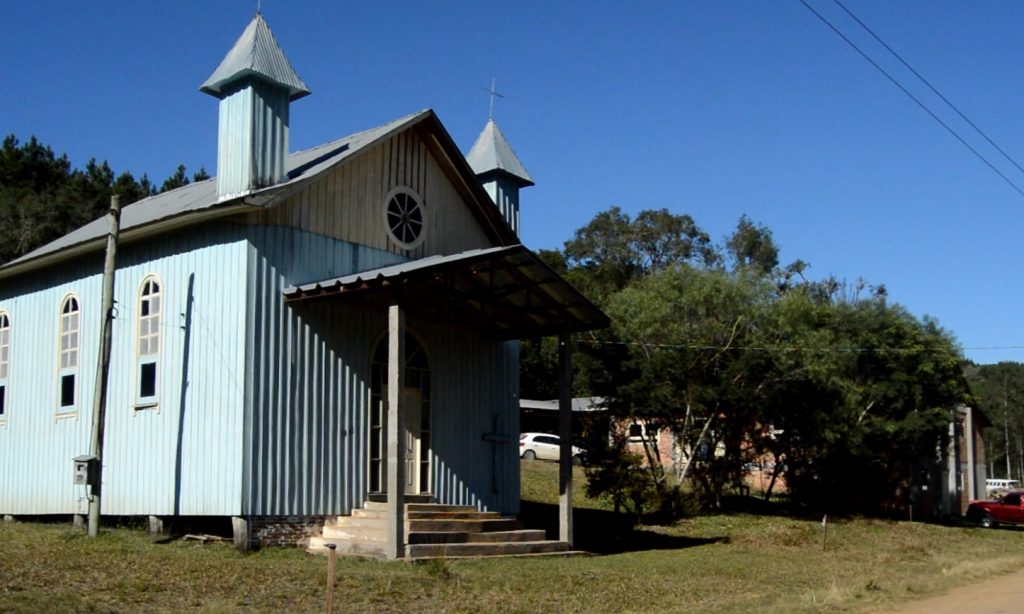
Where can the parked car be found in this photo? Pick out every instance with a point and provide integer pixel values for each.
(545, 447)
(1006, 509)
(999, 486)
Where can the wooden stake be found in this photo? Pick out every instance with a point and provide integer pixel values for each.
(824, 531)
(330, 577)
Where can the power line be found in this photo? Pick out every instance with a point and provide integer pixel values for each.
(930, 86)
(911, 96)
(792, 348)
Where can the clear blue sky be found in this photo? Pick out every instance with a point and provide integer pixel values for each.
(715, 109)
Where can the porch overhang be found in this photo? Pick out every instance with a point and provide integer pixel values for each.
(503, 292)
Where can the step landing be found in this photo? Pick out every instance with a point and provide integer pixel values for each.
(435, 531)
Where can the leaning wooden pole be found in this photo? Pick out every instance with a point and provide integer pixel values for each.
(565, 435)
(99, 405)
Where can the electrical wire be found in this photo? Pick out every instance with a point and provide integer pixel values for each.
(792, 348)
(930, 86)
(912, 97)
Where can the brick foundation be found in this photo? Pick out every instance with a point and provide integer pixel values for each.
(285, 530)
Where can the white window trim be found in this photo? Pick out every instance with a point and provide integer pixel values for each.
(401, 189)
(645, 434)
(6, 380)
(70, 411)
(147, 403)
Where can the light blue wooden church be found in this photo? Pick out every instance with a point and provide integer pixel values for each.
(261, 318)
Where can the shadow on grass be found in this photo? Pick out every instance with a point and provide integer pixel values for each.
(605, 532)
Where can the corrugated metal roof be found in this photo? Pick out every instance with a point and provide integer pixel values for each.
(187, 204)
(504, 292)
(492, 152)
(583, 404)
(256, 53)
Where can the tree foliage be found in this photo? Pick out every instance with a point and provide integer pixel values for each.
(43, 197)
(742, 359)
(999, 390)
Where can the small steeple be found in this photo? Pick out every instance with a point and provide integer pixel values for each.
(255, 83)
(500, 171)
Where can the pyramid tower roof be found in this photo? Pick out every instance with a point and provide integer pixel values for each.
(256, 53)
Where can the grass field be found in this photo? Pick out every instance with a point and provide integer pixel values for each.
(726, 563)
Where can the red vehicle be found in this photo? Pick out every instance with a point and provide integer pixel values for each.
(1007, 509)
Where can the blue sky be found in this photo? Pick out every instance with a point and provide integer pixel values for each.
(716, 109)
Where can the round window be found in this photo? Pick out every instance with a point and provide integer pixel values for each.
(404, 217)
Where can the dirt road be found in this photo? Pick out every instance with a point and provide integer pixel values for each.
(1000, 594)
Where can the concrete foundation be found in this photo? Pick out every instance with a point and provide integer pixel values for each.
(243, 533)
(156, 525)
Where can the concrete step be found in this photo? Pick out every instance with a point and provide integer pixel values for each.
(421, 551)
(462, 537)
(528, 555)
(438, 507)
(318, 545)
(457, 515)
(464, 525)
(356, 523)
(371, 513)
(338, 532)
(382, 498)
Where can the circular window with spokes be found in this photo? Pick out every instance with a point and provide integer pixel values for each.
(404, 217)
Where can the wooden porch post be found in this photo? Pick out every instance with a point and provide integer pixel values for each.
(565, 436)
(395, 548)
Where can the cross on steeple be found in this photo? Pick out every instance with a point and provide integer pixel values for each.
(493, 93)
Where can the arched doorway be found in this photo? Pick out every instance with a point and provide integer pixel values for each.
(415, 433)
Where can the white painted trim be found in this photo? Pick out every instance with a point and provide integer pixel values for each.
(5, 381)
(61, 372)
(147, 403)
(402, 189)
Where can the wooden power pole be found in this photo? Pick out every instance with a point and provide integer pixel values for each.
(99, 405)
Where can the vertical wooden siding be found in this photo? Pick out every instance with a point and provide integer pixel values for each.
(475, 380)
(305, 451)
(185, 450)
(348, 203)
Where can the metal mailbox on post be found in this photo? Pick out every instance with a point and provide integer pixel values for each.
(85, 470)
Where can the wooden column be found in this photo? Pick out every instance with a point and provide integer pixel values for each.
(395, 548)
(565, 436)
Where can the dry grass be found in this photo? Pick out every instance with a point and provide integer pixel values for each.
(727, 563)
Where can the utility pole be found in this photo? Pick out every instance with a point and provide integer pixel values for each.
(1006, 426)
(99, 405)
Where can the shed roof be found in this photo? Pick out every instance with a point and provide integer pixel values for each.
(256, 53)
(491, 152)
(579, 404)
(503, 292)
(198, 202)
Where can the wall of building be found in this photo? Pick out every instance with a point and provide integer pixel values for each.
(181, 455)
(309, 366)
(348, 204)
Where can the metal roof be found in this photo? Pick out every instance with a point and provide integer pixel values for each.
(256, 53)
(503, 292)
(491, 152)
(198, 201)
(579, 404)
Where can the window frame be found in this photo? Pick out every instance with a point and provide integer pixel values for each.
(423, 214)
(68, 411)
(141, 360)
(5, 365)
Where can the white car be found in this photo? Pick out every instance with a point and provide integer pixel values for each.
(545, 447)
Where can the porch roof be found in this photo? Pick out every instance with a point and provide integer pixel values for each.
(504, 292)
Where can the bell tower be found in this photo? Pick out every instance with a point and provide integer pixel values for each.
(255, 84)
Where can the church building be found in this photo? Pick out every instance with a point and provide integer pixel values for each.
(304, 335)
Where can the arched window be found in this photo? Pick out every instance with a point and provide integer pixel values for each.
(68, 366)
(148, 345)
(5, 361)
